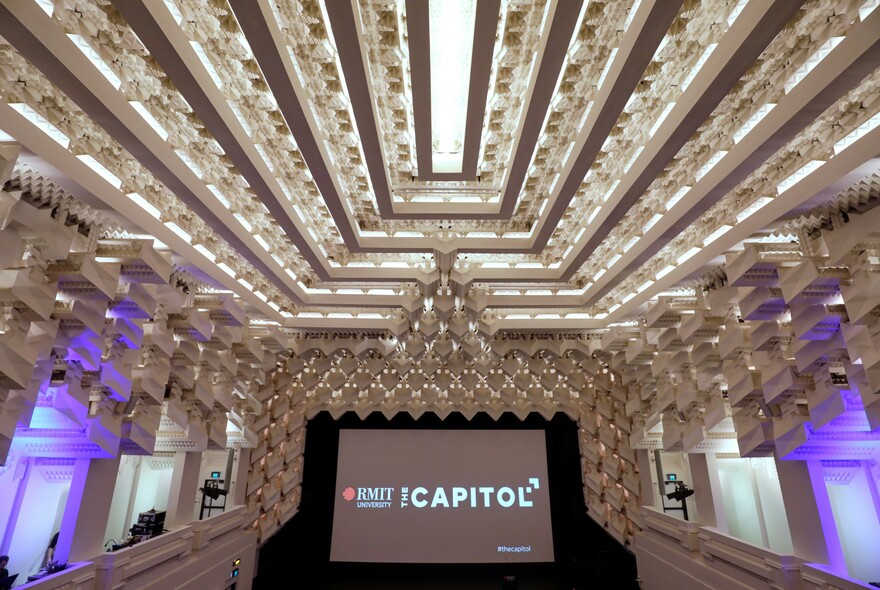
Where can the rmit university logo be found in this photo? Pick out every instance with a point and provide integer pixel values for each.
(470, 497)
(369, 497)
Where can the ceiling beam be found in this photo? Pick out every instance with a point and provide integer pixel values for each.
(743, 56)
(42, 42)
(851, 61)
(264, 39)
(76, 176)
(635, 56)
(167, 45)
(863, 150)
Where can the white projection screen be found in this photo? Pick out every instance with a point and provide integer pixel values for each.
(442, 496)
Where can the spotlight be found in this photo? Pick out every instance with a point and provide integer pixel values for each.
(213, 493)
(680, 493)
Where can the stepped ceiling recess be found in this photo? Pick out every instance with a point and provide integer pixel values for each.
(220, 217)
(439, 169)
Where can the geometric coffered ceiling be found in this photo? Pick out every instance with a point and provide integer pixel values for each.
(564, 161)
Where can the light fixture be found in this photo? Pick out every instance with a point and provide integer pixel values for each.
(100, 170)
(661, 118)
(688, 255)
(857, 134)
(701, 61)
(798, 175)
(40, 121)
(179, 231)
(451, 30)
(811, 62)
(717, 234)
(96, 59)
(149, 118)
(664, 271)
(148, 207)
(677, 197)
(205, 252)
(704, 169)
(753, 121)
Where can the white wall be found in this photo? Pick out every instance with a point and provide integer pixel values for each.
(141, 484)
(753, 503)
(678, 464)
(153, 486)
(740, 503)
(117, 522)
(855, 514)
(772, 505)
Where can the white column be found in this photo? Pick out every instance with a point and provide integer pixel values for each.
(21, 477)
(184, 488)
(813, 531)
(87, 510)
(239, 477)
(646, 482)
(132, 496)
(707, 490)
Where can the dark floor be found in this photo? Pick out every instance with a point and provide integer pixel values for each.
(529, 582)
(462, 577)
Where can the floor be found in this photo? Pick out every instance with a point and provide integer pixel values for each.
(521, 583)
(459, 577)
(462, 577)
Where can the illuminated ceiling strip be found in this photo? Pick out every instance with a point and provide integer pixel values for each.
(451, 26)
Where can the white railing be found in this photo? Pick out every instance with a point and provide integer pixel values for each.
(704, 552)
(819, 577)
(746, 561)
(163, 556)
(681, 531)
(211, 528)
(113, 570)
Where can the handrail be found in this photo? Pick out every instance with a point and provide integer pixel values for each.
(159, 555)
(214, 526)
(113, 568)
(761, 567)
(817, 576)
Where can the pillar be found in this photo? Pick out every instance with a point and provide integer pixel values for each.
(184, 488)
(21, 476)
(240, 477)
(647, 491)
(707, 491)
(813, 530)
(87, 510)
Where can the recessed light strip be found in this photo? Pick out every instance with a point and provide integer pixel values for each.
(451, 27)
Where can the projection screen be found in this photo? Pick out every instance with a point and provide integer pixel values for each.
(442, 496)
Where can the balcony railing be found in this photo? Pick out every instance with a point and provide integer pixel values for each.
(154, 558)
(703, 552)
